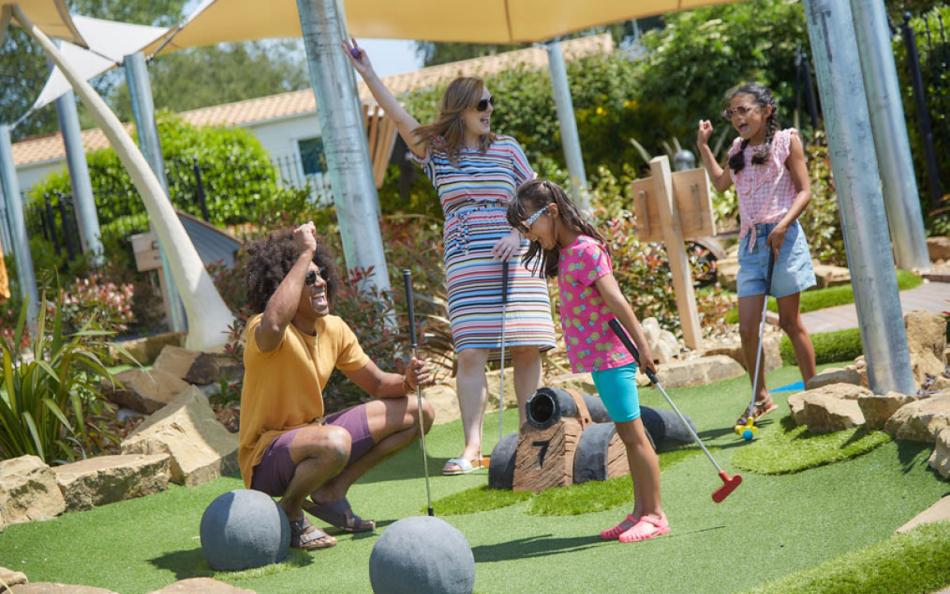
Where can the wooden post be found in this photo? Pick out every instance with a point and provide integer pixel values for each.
(675, 249)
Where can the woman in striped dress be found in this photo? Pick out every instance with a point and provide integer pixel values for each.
(476, 173)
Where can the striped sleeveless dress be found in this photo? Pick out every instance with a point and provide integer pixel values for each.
(474, 194)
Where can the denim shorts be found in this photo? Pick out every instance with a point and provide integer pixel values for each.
(793, 272)
(618, 390)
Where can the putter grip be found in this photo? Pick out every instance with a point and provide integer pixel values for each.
(625, 339)
(504, 281)
(407, 280)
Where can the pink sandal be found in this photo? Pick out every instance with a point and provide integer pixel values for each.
(625, 524)
(659, 527)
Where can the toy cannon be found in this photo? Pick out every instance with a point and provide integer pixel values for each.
(569, 438)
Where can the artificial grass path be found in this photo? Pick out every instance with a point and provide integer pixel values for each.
(771, 527)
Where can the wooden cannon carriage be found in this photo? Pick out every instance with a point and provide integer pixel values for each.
(568, 438)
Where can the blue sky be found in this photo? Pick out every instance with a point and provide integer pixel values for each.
(391, 56)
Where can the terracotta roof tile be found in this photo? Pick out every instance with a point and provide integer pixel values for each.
(50, 147)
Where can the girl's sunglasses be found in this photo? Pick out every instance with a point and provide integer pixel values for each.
(742, 110)
(484, 103)
(311, 277)
(533, 218)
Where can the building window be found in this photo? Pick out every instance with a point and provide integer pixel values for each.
(312, 158)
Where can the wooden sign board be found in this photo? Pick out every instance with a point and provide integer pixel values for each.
(693, 204)
(147, 256)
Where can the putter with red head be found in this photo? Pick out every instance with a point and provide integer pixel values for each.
(729, 483)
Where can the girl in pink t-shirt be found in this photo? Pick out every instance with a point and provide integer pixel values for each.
(768, 167)
(568, 247)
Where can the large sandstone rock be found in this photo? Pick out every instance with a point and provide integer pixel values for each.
(202, 586)
(771, 350)
(827, 275)
(146, 390)
(938, 248)
(494, 385)
(726, 271)
(651, 330)
(796, 403)
(832, 408)
(834, 375)
(699, 371)
(146, 349)
(878, 408)
(444, 402)
(940, 459)
(28, 491)
(926, 340)
(662, 353)
(921, 420)
(582, 383)
(11, 578)
(938, 512)
(53, 588)
(105, 479)
(860, 366)
(200, 447)
(176, 360)
(211, 368)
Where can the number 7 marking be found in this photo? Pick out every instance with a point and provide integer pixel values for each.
(544, 450)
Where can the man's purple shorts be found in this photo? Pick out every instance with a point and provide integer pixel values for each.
(275, 470)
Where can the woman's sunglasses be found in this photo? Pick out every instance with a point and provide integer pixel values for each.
(484, 103)
(311, 277)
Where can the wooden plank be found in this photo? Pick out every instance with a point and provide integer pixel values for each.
(644, 205)
(694, 203)
(679, 263)
(545, 458)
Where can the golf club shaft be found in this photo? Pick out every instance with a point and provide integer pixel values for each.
(627, 342)
(504, 318)
(761, 347)
(407, 279)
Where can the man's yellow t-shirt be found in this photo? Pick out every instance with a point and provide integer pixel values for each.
(283, 388)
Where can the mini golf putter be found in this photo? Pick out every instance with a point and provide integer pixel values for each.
(729, 483)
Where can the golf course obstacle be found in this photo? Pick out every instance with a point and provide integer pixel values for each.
(422, 555)
(242, 529)
(568, 438)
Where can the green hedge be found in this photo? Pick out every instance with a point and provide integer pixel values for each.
(830, 347)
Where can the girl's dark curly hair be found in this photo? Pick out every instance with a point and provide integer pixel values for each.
(271, 258)
(762, 97)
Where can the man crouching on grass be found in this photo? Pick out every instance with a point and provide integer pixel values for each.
(288, 447)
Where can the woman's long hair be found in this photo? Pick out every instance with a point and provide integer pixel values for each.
(762, 97)
(447, 133)
(533, 196)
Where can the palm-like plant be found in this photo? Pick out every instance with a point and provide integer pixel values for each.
(46, 394)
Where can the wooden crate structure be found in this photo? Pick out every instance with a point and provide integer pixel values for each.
(548, 443)
(693, 206)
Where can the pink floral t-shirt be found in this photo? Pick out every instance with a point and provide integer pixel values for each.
(591, 345)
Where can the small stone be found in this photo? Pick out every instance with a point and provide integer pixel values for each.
(940, 459)
(878, 408)
(662, 353)
(829, 276)
(651, 330)
(938, 248)
(926, 341)
(176, 360)
(11, 578)
(669, 339)
(105, 479)
(28, 491)
(921, 420)
(146, 349)
(201, 448)
(202, 586)
(834, 375)
(146, 390)
(699, 371)
(209, 368)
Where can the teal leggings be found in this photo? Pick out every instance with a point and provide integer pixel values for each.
(618, 389)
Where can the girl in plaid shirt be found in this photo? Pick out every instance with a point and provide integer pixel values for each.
(768, 167)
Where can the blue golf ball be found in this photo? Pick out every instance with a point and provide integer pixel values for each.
(747, 435)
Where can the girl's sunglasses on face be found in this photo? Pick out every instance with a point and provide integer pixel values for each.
(742, 110)
(311, 277)
(533, 218)
(484, 103)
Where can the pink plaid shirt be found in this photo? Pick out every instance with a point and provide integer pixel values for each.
(766, 191)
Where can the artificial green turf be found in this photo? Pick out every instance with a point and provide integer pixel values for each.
(816, 299)
(782, 447)
(837, 345)
(917, 562)
(771, 526)
(477, 499)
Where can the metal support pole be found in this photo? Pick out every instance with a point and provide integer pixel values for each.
(901, 198)
(923, 113)
(26, 277)
(143, 110)
(344, 140)
(83, 200)
(860, 203)
(570, 140)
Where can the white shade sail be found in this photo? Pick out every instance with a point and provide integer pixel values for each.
(52, 16)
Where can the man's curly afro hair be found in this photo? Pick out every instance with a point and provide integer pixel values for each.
(271, 258)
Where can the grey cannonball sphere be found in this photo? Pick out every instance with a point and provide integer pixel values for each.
(422, 555)
(243, 528)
